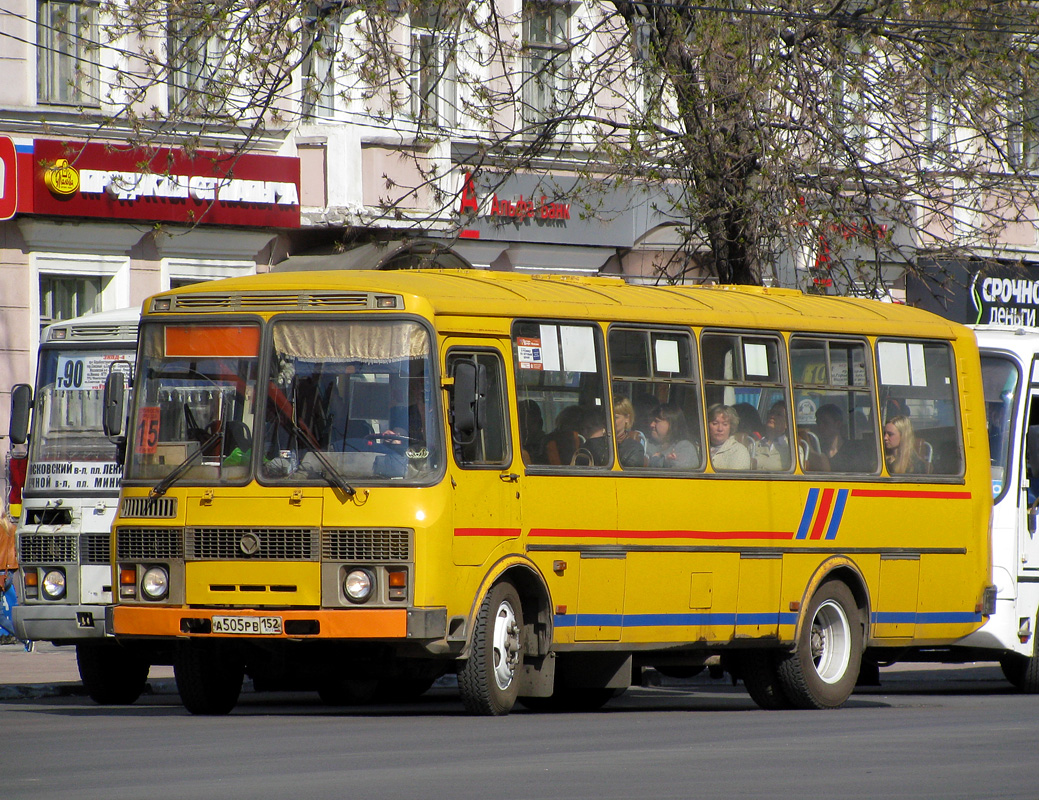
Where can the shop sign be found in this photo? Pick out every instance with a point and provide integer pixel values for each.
(1010, 298)
(8, 178)
(165, 185)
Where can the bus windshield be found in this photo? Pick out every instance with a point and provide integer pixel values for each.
(356, 396)
(68, 450)
(196, 398)
(1001, 379)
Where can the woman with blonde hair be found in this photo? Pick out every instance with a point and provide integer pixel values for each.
(631, 444)
(900, 447)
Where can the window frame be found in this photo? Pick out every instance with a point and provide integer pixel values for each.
(60, 79)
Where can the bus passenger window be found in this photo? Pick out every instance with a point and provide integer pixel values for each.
(561, 395)
(656, 402)
(489, 446)
(920, 408)
(746, 394)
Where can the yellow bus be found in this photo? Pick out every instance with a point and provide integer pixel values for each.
(545, 485)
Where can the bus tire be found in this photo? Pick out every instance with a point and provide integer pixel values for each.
(759, 670)
(1022, 671)
(112, 675)
(822, 670)
(489, 679)
(209, 677)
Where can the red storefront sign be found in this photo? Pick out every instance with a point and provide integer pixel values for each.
(8, 178)
(164, 185)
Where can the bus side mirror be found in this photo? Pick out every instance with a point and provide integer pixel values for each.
(114, 404)
(21, 405)
(468, 410)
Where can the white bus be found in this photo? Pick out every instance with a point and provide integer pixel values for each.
(1010, 371)
(68, 499)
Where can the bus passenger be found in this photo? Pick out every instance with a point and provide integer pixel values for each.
(631, 444)
(772, 453)
(595, 449)
(726, 451)
(532, 432)
(564, 440)
(900, 447)
(829, 427)
(669, 444)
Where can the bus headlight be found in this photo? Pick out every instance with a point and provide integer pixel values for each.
(358, 585)
(54, 584)
(155, 583)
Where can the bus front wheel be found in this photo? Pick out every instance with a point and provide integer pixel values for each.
(822, 670)
(209, 677)
(111, 674)
(489, 679)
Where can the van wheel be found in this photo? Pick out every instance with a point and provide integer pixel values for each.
(111, 674)
(760, 673)
(489, 679)
(209, 677)
(823, 669)
(1022, 671)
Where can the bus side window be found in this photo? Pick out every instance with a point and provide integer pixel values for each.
(834, 405)
(561, 395)
(654, 375)
(489, 446)
(919, 401)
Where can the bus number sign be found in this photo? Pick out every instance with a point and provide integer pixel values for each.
(147, 435)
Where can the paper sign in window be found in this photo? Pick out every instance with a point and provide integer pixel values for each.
(917, 366)
(550, 348)
(894, 363)
(578, 349)
(666, 352)
(529, 352)
(755, 359)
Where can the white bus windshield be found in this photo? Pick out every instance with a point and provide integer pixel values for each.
(69, 451)
(1001, 379)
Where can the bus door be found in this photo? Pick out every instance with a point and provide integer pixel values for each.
(483, 475)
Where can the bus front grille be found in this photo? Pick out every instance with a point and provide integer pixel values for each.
(96, 548)
(149, 507)
(262, 544)
(148, 543)
(366, 544)
(43, 549)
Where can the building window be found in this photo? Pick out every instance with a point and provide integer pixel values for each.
(66, 44)
(319, 84)
(433, 88)
(938, 119)
(1023, 132)
(64, 298)
(198, 78)
(546, 69)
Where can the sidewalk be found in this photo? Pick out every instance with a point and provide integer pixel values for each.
(51, 671)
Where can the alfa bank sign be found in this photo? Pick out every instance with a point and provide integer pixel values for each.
(164, 185)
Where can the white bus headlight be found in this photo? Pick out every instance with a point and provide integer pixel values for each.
(54, 584)
(155, 584)
(358, 585)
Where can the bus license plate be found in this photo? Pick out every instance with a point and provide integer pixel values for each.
(257, 626)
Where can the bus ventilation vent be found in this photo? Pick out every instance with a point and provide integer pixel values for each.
(95, 548)
(146, 543)
(266, 544)
(366, 544)
(149, 507)
(103, 332)
(284, 301)
(37, 549)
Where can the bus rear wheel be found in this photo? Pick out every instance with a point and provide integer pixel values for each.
(209, 677)
(822, 670)
(759, 670)
(489, 679)
(1023, 671)
(111, 674)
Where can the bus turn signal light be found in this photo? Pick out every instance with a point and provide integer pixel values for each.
(398, 584)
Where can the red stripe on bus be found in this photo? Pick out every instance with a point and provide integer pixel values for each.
(923, 494)
(822, 514)
(509, 532)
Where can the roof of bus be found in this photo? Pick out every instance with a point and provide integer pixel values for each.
(1008, 337)
(508, 294)
(120, 323)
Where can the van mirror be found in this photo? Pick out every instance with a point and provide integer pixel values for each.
(114, 404)
(468, 400)
(21, 405)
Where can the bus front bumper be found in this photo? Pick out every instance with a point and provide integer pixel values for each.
(350, 623)
(58, 623)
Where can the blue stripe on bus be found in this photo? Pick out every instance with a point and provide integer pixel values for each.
(924, 617)
(659, 620)
(838, 512)
(809, 512)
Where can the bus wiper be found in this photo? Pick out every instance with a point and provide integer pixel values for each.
(330, 474)
(160, 488)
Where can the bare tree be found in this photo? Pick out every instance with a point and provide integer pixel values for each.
(845, 136)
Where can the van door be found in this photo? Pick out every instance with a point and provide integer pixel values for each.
(484, 483)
